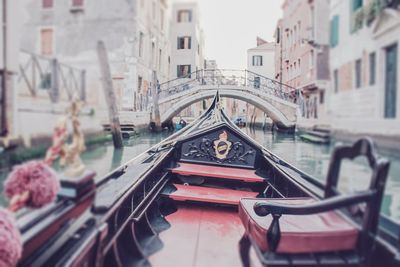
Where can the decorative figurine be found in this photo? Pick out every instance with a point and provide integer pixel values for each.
(59, 138)
(70, 153)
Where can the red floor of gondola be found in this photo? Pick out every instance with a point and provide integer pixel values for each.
(200, 236)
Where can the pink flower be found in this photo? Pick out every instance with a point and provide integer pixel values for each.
(37, 178)
(10, 240)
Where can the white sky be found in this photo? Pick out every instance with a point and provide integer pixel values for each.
(231, 27)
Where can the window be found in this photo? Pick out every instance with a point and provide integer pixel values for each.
(46, 42)
(153, 54)
(372, 68)
(184, 16)
(295, 35)
(321, 97)
(47, 3)
(299, 31)
(257, 82)
(336, 80)
(183, 71)
(184, 42)
(358, 67)
(334, 31)
(257, 60)
(291, 38)
(298, 66)
(45, 81)
(140, 81)
(311, 63)
(288, 40)
(159, 59)
(278, 35)
(312, 22)
(141, 37)
(77, 3)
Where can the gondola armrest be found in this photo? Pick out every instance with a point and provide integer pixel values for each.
(264, 208)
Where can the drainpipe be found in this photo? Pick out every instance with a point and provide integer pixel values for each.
(4, 128)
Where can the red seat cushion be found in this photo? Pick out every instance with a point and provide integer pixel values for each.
(321, 232)
(208, 194)
(246, 175)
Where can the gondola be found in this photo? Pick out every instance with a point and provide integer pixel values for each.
(209, 195)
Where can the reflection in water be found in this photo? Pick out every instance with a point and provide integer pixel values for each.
(314, 160)
(310, 158)
(117, 158)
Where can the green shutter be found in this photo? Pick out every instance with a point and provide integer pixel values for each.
(357, 4)
(332, 42)
(334, 31)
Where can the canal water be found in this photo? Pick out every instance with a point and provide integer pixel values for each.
(310, 158)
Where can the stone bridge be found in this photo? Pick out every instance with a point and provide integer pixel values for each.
(277, 100)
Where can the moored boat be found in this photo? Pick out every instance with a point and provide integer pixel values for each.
(204, 197)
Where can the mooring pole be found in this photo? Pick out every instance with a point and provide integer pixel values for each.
(109, 95)
(155, 92)
(4, 127)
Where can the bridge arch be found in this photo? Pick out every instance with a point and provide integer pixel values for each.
(274, 113)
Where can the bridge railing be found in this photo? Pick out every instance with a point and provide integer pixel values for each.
(40, 75)
(227, 77)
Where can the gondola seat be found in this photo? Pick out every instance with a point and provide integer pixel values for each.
(207, 194)
(308, 232)
(245, 175)
(300, 234)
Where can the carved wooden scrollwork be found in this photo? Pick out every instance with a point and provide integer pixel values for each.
(219, 147)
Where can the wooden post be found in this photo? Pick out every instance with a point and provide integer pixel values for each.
(55, 90)
(109, 95)
(157, 116)
(4, 127)
(83, 85)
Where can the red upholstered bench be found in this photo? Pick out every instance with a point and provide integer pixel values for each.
(313, 233)
(246, 175)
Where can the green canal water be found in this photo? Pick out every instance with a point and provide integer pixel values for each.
(310, 158)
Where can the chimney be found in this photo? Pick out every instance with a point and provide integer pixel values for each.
(260, 41)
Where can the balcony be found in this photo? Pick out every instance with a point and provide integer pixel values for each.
(369, 12)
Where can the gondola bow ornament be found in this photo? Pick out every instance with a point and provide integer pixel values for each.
(222, 146)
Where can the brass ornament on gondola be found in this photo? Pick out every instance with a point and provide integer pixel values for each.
(222, 146)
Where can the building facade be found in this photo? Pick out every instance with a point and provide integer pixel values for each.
(152, 53)
(9, 47)
(135, 33)
(302, 52)
(261, 59)
(365, 36)
(187, 40)
(187, 46)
